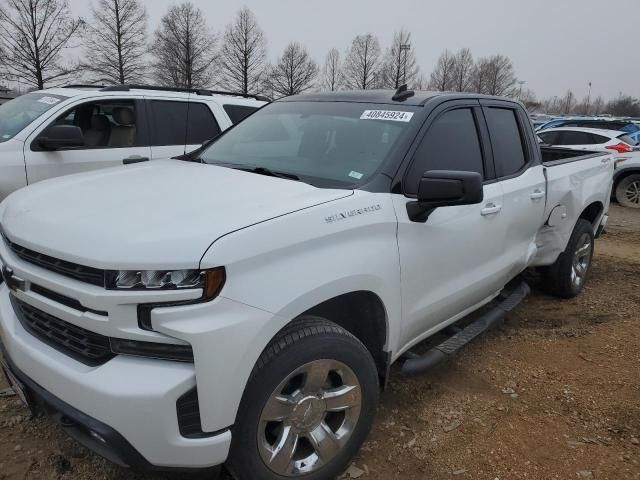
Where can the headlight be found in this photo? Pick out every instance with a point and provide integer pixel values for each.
(210, 281)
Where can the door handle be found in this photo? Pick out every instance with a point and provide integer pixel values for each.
(134, 159)
(490, 209)
(605, 160)
(537, 194)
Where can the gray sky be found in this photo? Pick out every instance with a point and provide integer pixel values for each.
(554, 44)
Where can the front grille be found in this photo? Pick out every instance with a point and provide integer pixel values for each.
(188, 410)
(82, 345)
(91, 275)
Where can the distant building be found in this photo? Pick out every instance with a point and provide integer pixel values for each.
(6, 94)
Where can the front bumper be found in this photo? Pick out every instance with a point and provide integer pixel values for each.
(129, 401)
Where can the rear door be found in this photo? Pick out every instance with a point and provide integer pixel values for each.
(452, 261)
(180, 126)
(114, 131)
(521, 176)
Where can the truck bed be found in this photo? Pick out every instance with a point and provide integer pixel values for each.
(557, 155)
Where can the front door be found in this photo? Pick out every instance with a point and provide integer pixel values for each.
(112, 136)
(453, 261)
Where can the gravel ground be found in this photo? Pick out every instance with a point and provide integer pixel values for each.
(553, 393)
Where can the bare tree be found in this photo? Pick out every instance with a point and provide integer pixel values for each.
(184, 49)
(420, 83)
(115, 42)
(443, 75)
(568, 102)
(624, 106)
(244, 53)
(480, 76)
(530, 101)
(463, 70)
(332, 71)
(400, 64)
(295, 71)
(361, 66)
(33, 34)
(500, 76)
(597, 106)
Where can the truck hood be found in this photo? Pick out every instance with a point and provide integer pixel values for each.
(162, 214)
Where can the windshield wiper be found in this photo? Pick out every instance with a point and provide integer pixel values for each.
(271, 173)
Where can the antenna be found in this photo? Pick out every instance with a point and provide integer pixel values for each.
(402, 94)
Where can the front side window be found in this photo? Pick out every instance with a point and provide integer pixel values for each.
(451, 143)
(506, 140)
(333, 144)
(17, 114)
(104, 124)
(182, 123)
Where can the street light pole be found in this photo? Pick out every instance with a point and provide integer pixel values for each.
(521, 83)
(405, 47)
(589, 99)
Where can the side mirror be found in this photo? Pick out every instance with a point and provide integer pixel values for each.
(61, 136)
(445, 188)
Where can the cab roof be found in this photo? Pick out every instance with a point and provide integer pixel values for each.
(384, 96)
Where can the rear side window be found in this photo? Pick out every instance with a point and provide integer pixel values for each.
(451, 143)
(170, 121)
(506, 140)
(570, 137)
(550, 138)
(600, 139)
(238, 112)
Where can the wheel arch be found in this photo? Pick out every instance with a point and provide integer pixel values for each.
(622, 174)
(363, 314)
(592, 213)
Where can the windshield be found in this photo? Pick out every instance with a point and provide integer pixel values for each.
(16, 114)
(329, 144)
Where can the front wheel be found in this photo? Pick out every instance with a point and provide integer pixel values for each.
(567, 276)
(628, 191)
(308, 406)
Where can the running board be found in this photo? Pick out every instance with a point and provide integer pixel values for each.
(419, 363)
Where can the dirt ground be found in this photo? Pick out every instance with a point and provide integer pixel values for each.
(553, 393)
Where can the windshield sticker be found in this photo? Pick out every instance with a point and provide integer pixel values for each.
(394, 116)
(49, 100)
(356, 175)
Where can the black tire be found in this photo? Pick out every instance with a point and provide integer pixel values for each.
(628, 191)
(559, 277)
(305, 340)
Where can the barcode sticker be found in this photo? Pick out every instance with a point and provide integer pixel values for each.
(391, 115)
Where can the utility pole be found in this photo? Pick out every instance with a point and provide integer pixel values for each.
(405, 47)
(521, 83)
(589, 99)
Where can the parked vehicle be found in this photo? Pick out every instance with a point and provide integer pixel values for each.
(592, 139)
(626, 187)
(246, 306)
(626, 181)
(627, 126)
(55, 132)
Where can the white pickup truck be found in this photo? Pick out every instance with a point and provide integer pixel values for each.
(59, 131)
(246, 306)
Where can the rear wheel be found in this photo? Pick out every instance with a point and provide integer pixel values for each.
(628, 191)
(567, 276)
(308, 406)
